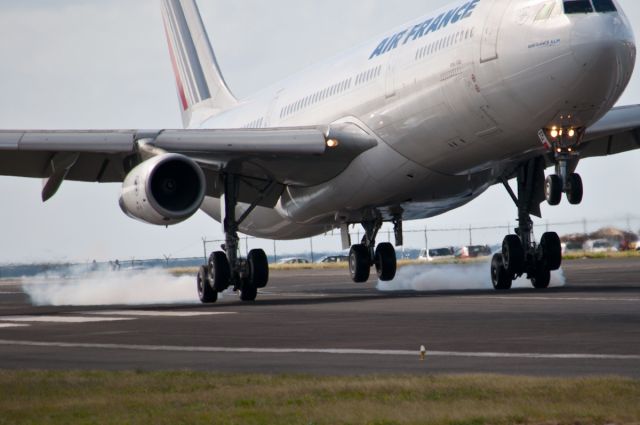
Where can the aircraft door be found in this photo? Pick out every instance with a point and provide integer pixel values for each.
(272, 115)
(491, 31)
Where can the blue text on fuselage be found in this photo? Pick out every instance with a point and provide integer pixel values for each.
(420, 30)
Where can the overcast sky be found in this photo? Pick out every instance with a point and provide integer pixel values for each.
(103, 64)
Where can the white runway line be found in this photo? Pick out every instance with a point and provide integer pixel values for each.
(635, 300)
(62, 319)
(12, 325)
(149, 313)
(332, 351)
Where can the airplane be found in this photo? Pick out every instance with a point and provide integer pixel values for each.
(410, 125)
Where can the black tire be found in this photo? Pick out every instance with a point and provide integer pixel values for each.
(258, 268)
(219, 271)
(206, 293)
(513, 255)
(551, 251)
(386, 262)
(553, 189)
(541, 278)
(359, 263)
(575, 189)
(248, 291)
(500, 277)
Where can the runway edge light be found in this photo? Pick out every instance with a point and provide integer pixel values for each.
(423, 353)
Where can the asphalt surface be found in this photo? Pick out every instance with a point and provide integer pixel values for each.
(318, 322)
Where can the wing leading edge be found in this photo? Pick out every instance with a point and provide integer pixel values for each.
(285, 156)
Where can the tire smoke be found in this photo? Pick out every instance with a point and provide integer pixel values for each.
(137, 287)
(442, 277)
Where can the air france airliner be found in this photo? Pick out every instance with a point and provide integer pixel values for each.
(409, 125)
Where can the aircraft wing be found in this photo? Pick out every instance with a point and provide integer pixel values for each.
(616, 132)
(301, 156)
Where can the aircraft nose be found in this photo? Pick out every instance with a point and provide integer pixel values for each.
(603, 44)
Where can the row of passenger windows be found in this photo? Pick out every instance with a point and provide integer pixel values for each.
(588, 6)
(317, 97)
(365, 77)
(443, 43)
(341, 87)
(259, 123)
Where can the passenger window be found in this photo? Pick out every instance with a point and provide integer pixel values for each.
(604, 6)
(577, 6)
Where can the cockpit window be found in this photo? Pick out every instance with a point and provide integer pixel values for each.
(604, 6)
(577, 6)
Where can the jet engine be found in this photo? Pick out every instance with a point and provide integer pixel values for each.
(164, 190)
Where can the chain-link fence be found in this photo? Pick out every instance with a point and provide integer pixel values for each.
(418, 238)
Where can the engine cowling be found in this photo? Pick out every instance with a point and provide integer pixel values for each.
(164, 190)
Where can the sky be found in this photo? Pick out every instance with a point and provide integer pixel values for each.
(83, 64)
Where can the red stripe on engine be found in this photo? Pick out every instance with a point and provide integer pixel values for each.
(176, 71)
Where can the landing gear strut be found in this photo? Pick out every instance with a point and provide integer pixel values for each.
(365, 255)
(520, 254)
(226, 268)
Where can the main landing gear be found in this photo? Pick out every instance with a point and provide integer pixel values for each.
(520, 254)
(226, 268)
(365, 255)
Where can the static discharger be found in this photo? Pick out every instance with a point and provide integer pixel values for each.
(423, 353)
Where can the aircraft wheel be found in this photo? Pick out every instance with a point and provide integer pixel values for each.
(219, 271)
(386, 263)
(575, 189)
(500, 277)
(248, 291)
(541, 278)
(359, 263)
(553, 189)
(513, 255)
(551, 248)
(206, 293)
(258, 268)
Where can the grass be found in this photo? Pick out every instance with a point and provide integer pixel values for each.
(29, 397)
(344, 266)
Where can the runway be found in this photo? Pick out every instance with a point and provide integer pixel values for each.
(318, 322)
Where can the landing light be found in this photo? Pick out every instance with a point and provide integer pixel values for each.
(572, 132)
(333, 143)
(554, 133)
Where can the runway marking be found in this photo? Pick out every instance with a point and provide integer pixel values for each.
(11, 293)
(148, 313)
(332, 351)
(293, 294)
(12, 325)
(561, 299)
(62, 319)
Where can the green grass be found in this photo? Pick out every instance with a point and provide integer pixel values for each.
(193, 398)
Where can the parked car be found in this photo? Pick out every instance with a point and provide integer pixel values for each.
(600, 245)
(334, 259)
(436, 254)
(473, 251)
(294, 261)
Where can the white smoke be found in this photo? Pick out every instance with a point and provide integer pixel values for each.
(137, 287)
(439, 277)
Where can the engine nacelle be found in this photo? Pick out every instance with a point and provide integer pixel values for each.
(164, 190)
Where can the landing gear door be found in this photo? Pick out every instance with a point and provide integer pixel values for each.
(491, 31)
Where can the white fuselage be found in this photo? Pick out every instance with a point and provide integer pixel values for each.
(452, 107)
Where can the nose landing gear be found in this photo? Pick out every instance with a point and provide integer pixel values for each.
(563, 142)
(520, 253)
